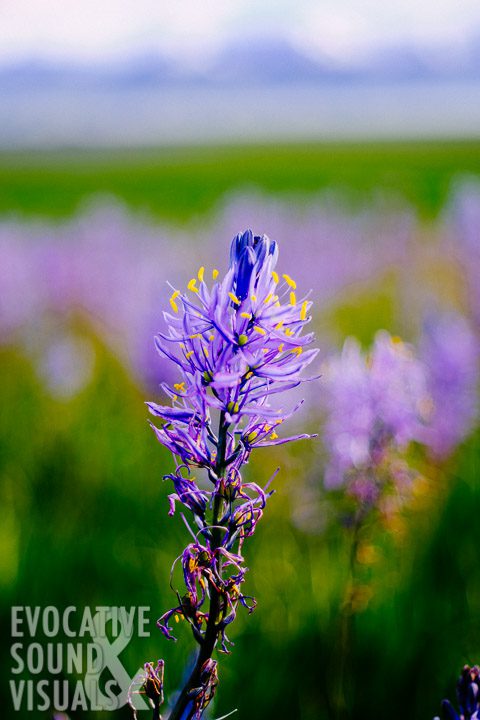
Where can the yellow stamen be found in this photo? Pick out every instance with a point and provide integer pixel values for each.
(267, 428)
(189, 354)
(253, 298)
(288, 332)
(275, 276)
(174, 398)
(279, 325)
(234, 298)
(172, 301)
(205, 352)
(192, 285)
(280, 347)
(196, 335)
(249, 375)
(297, 351)
(290, 282)
(259, 330)
(211, 338)
(303, 311)
(242, 339)
(201, 273)
(180, 387)
(214, 274)
(273, 436)
(293, 298)
(268, 298)
(247, 316)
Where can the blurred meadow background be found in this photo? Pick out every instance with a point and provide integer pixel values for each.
(136, 140)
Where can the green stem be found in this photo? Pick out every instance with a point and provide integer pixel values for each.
(179, 711)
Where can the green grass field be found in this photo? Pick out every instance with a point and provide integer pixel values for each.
(181, 182)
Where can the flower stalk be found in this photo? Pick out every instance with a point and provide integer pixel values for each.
(237, 346)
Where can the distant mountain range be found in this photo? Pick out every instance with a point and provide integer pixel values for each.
(252, 63)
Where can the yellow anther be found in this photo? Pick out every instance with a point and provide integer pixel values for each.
(247, 316)
(211, 338)
(396, 340)
(273, 436)
(279, 325)
(253, 298)
(177, 619)
(174, 398)
(242, 339)
(205, 352)
(201, 273)
(290, 282)
(293, 298)
(288, 332)
(279, 421)
(195, 335)
(275, 276)
(268, 298)
(172, 300)
(189, 354)
(252, 436)
(277, 304)
(297, 351)
(259, 330)
(249, 375)
(179, 387)
(264, 350)
(267, 428)
(280, 347)
(214, 274)
(303, 311)
(234, 298)
(192, 285)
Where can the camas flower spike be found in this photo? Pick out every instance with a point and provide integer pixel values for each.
(236, 345)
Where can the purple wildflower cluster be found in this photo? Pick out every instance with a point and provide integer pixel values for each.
(468, 696)
(451, 353)
(236, 345)
(376, 405)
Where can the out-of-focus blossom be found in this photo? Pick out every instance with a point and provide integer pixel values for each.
(461, 230)
(376, 404)
(450, 351)
(468, 696)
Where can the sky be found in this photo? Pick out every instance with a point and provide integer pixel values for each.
(193, 30)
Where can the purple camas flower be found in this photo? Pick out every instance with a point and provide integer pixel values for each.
(468, 696)
(376, 405)
(235, 345)
(450, 351)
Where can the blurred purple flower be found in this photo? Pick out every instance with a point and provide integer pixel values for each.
(376, 404)
(451, 353)
(468, 696)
